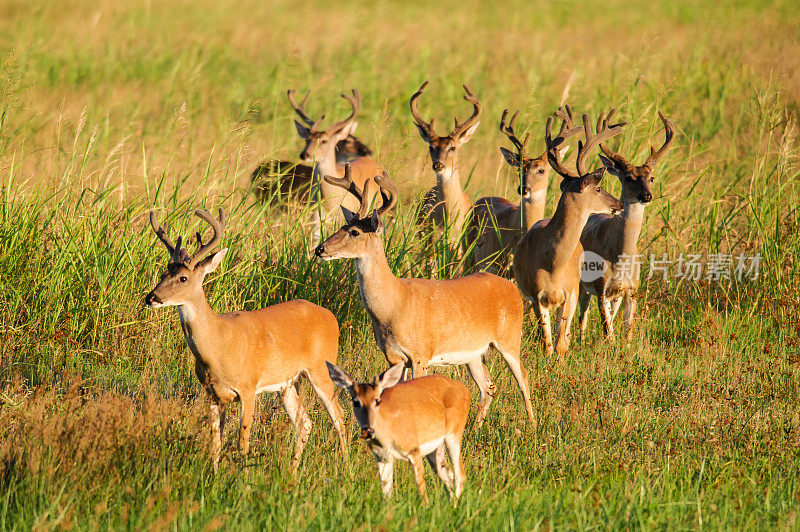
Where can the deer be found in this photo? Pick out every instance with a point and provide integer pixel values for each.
(497, 224)
(239, 355)
(614, 238)
(446, 207)
(408, 420)
(425, 322)
(288, 180)
(547, 262)
(320, 150)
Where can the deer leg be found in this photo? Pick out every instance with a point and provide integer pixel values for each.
(628, 313)
(605, 316)
(565, 313)
(326, 392)
(419, 474)
(486, 388)
(302, 423)
(386, 474)
(216, 418)
(514, 363)
(584, 302)
(439, 464)
(542, 318)
(248, 402)
(453, 444)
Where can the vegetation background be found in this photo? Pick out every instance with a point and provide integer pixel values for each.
(111, 108)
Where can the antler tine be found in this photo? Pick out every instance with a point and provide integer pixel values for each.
(427, 126)
(568, 128)
(346, 183)
(161, 233)
(218, 225)
(608, 152)
(476, 112)
(388, 192)
(604, 131)
(552, 151)
(508, 131)
(669, 133)
(355, 101)
(301, 109)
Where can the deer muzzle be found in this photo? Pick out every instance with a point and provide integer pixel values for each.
(367, 433)
(438, 166)
(151, 300)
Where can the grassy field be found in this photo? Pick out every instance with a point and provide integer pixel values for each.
(111, 108)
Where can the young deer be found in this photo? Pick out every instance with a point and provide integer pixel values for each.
(241, 354)
(446, 207)
(423, 322)
(497, 223)
(406, 421)
(614, 238)
(320, 148)
(547, 262)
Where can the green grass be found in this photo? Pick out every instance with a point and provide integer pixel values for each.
(110, 109)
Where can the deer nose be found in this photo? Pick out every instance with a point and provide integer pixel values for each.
(319, 251)
(151, 298)
(438, 166)
(645, 197)
(304, 156)
(367, 433)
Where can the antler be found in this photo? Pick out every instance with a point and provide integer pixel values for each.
(176, 252)
(604, 132)
(427, 126)
(553, 144)
(347, 183)
(218, 225)
(301, 109)
(388, 192)
(669, 132)
(508, 131)
(355, 102)
(476, 104)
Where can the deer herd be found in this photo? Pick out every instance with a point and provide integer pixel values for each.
(418, 323)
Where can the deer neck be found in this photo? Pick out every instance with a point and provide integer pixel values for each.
(326, 165)
(376, 282)
(456, 204)
(629, 227)
(532, 207)
(563, 232)
(199, 323)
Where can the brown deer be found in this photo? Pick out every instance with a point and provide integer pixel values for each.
(446, 207)
(284, 180)
(423, 322)
(320, 149)
(614, 238)
(406, 421)
(496, 223)
(241, 354)
(547, 262)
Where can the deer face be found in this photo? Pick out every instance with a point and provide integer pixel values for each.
(637, 181)
(591, 197)
(320, 144)
(355, 239)
(444, 151)
(181, 284)
(535, 172)
(366, 398)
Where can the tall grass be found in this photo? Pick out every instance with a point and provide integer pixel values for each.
(108, 110)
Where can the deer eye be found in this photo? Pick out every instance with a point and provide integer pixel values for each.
(354, 232)
(377, 401)
(599, 189)
(540, 170)
(183, 279)
(452, 148)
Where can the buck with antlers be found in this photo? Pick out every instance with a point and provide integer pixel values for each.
(614, 238)
(406, 421)
(423, 322)
(241, 354)
(497, 224)
(547, 262)
(320, 149)
(446, 207)
(285, 179)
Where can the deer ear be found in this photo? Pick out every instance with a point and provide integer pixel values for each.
(423, 133)
(375, 222)
(592, 179)
(510, 157)
(466, 135)
(210, 263)
(612, 167)
(302, 130)
(349, 215)
(353, 127)
(339, 377)
(391, 376)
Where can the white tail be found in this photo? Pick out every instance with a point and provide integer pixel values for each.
(406, 421)
(614, 238)
(422, 322)
(242, 354)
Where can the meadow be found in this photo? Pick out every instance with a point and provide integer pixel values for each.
(110, 109)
